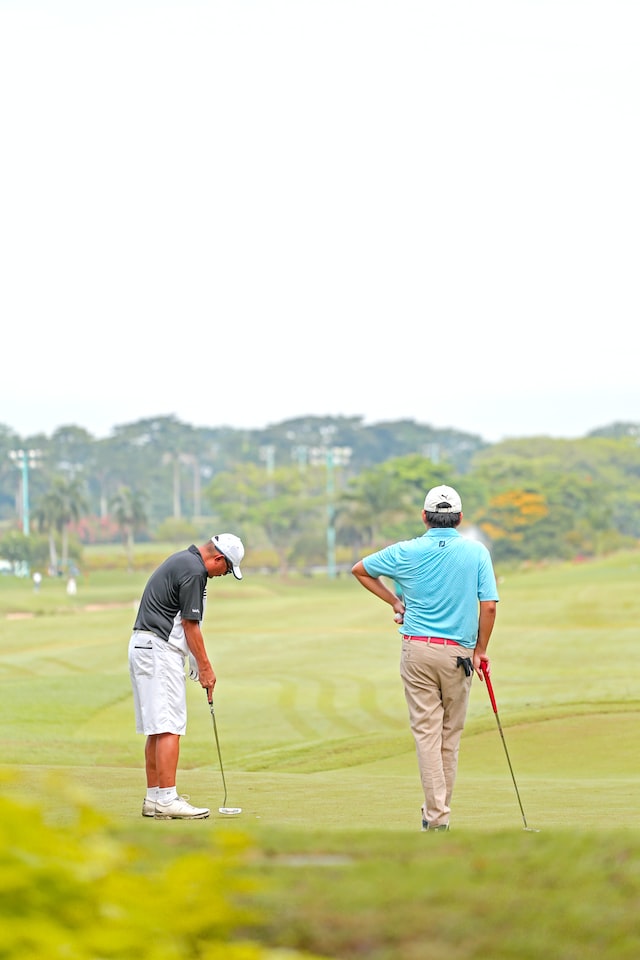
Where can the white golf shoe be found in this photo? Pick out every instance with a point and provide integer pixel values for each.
(148, 807)
(179, 809)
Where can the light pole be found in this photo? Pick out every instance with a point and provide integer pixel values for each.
(331, 516)
(23, 459)
(268, 454)
(333, 457)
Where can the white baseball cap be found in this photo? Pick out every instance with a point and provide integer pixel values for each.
(443, 500)
(232, 548)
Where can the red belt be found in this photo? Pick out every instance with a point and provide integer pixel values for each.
(443, 640)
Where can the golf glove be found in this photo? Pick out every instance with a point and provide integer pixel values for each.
(465, 663)
(194, 673)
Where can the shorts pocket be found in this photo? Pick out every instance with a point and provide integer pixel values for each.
(143, 660)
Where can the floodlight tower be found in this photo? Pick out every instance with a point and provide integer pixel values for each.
(332, 457)
(268, 454)
(336, 457)
(23, 459)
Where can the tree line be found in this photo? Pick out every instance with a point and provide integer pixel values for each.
(315, 491)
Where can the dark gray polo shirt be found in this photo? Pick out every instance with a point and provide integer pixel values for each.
(179, 585)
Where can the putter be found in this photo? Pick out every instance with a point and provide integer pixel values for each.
(483, 667)
(227, 811)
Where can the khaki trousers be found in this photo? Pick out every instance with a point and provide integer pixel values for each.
(437, 695)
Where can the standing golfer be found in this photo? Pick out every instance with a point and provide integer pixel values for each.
(167, 629)
(447, 611)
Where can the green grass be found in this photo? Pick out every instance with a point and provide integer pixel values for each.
(317, 752)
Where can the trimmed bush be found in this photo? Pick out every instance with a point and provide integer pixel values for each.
(77, 892)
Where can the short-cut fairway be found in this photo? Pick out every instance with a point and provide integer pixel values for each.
(317, 751)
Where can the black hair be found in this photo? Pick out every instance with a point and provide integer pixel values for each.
(443, 520)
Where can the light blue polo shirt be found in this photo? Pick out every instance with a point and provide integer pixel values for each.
(442, 576)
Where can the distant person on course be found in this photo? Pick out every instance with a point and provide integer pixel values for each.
(166, 631)
(447, 611)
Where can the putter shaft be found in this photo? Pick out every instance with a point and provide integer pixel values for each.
(215, 730)
(487, 678)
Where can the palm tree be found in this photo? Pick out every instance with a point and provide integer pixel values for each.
(130, 514)
(63, 503)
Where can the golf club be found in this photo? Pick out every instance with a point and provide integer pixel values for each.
(485, 671)
(227, 811)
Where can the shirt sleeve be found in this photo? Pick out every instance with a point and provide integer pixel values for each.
(191, 604)
(380, 564)
(487, 588)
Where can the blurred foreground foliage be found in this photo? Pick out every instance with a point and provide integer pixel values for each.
(77, 892)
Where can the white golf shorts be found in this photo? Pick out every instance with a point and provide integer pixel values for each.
(159, 685)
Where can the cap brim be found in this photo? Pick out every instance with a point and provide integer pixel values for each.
(236, 572)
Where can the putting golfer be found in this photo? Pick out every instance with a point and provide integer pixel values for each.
(447, 611)
(166, 632)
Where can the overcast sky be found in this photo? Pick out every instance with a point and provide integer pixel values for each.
(244, 212)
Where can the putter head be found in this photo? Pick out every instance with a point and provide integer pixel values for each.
(230, 811)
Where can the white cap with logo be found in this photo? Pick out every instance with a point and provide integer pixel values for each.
(232, 548)
(443, 500)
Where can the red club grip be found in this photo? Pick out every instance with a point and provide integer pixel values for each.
(485, 669)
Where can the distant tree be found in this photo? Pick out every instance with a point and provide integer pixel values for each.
(129, 512)
(370, 444)
(63, 504)
(585, 491)
(70, 450)
(384, 503)
(275, 507)
(155, 444)
(614, 431)
(16, 547)
(371, 503)
(589, 486)
(118, 461)
(510, 517)
(390, 440)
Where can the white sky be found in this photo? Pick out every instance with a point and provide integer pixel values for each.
(242, 212)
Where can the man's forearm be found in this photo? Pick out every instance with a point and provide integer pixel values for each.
(195, 642)
(486, 621)
(375, 586)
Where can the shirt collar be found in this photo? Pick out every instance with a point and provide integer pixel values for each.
(440, 532)
(196, 552)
